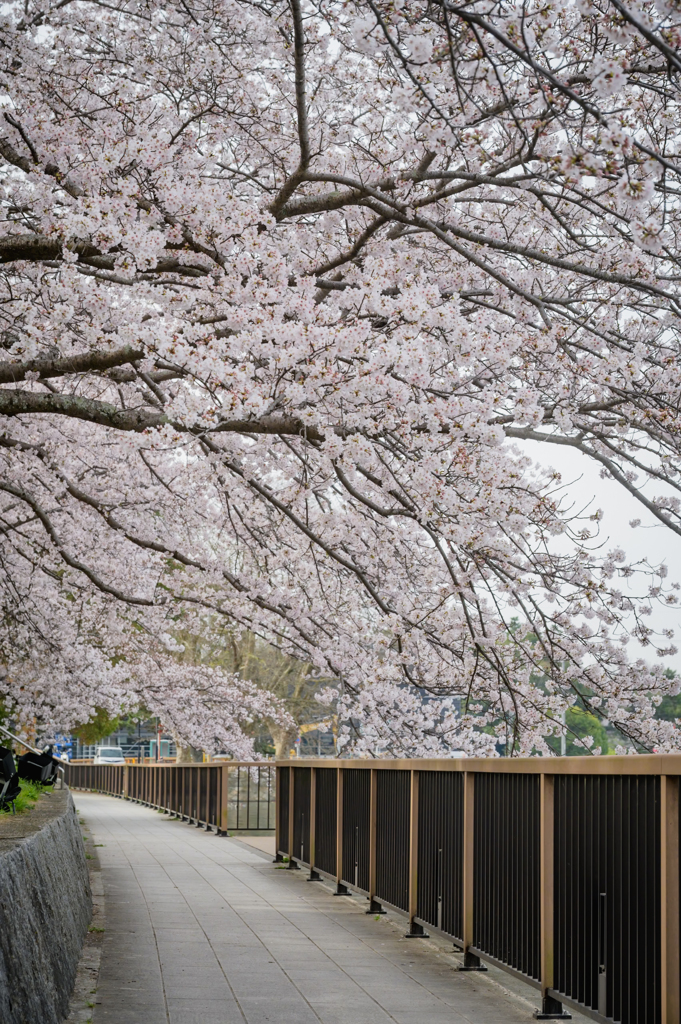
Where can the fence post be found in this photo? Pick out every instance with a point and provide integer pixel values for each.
(277, 813)
(416, 931)
(126, 783)
(341, 890)
(374, 906)
(471, 962)
(669, 895)
(223, 828)
(551, 1008)
(314, 875)
(291, 807)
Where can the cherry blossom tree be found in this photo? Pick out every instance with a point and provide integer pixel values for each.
(287, 288)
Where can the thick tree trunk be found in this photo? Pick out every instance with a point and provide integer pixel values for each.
(188, 755)
(283, 740)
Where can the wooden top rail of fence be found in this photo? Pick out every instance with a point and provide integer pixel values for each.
(605, 764)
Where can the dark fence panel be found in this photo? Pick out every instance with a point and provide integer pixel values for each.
(193, 792)
(356, 811)
(506, 879)
(440, 851)
(607, 894)
(252, 798)
(326, 789)
(302, 781)
(393, 801)
(283, 781)
(102, 778)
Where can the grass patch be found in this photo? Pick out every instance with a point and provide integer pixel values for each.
(29, 796)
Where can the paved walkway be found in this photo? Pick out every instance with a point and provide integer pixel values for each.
(206, 930)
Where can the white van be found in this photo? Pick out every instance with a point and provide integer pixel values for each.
(109, 755)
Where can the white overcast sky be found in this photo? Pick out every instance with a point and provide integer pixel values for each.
(651, 540)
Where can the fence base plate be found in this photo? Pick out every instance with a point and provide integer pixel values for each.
(375, 908)
(551, 1009)
(416, 931)
(471, 962)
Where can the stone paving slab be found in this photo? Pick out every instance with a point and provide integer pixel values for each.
(207, 930)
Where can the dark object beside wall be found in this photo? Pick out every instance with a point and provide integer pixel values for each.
(45, 910)
(9, 779)
(37, 768)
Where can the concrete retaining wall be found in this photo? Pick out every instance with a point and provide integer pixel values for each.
(45, 910)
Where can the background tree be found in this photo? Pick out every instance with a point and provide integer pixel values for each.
(288, 679)
(98, 727)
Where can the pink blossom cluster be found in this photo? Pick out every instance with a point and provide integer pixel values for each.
(286, 289)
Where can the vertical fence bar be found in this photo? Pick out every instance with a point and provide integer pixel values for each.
(415, 930)
(224, 801)
(341, 890)
(291, 811)
(374, 906)
(669, 894)
(277, 815)
(471, 962)
(546, 883)
(313, 876)
(551, 1008)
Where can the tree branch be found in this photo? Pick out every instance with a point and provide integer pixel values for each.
(74, 563)
(39, 248)
(83, 362)
(17, 403)
(294, 180)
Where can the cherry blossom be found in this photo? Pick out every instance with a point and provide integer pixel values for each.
(286, 288)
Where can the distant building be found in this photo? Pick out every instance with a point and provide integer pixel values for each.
(134, 740)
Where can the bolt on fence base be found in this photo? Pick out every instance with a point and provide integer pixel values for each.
(551, 1009)
(416, 931)
(374, 907)
(341, 890)
(471, 962)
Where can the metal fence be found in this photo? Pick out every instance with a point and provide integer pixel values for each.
(224, 797)
(562, 871)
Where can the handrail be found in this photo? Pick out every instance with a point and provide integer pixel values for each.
(35, 750)
(590, 764)
(23, 743)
